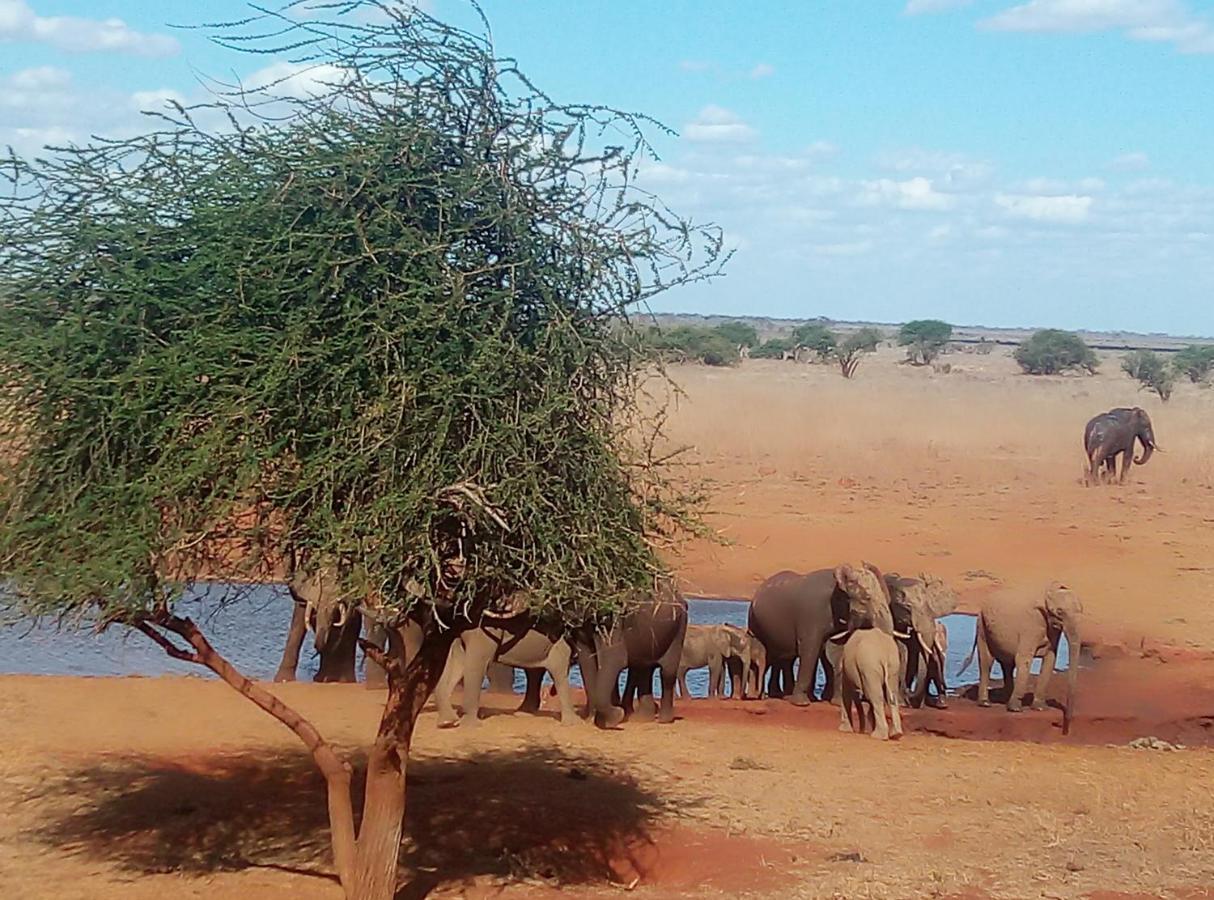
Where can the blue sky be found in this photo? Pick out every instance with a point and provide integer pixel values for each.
(1041, 162)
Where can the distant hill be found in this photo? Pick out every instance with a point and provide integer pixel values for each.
(769, 327)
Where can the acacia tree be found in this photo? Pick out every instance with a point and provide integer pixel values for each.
(924, 340)
(854, 347)
(371, 324)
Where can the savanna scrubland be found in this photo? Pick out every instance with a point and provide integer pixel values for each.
(141, 788)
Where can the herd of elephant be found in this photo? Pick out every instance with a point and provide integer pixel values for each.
(877, 638)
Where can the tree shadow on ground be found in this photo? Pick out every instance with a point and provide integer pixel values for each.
(538, 813)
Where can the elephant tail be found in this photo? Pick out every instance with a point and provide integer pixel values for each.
(969, 660)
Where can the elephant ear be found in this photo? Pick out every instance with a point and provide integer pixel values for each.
(941, 600)
(868, 596)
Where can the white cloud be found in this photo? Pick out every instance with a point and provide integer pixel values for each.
(953, 172)
(157, 100)
(1067, 209)
(914, 193)
(1161, 21)
(1130, 162)
(19, 22)
(297, 80)
(822, 150)
(763, 70)
(695, 65)
(717, 125)
(921, 7)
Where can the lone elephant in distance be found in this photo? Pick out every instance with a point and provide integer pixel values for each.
(1113, 434)
(1015, 629)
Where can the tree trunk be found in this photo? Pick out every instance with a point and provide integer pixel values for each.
(366, 859)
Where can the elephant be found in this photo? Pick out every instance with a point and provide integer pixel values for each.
(705, 645)
(647, 637)
(335, 623)
(869, 670)
(917, 604)
(1016, 629)
(934, 676)
(747, 660)
(514, 641)
(792, 614)
(870, 663)
(1112, 434)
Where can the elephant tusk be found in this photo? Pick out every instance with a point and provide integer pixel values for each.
(841, 636)
(901, 636)
(343, 614)
(309, 612)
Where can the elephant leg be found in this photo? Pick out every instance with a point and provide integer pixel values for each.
(601, 671)
(453, 672)
(1019, 681)
(290, 652)
(900, 697)
(1126, 458)
(874, 688)
(557, 665)
(535, 683)
(477, 657)
(893, 687)
(716, 677)
(808, 650)
(681, 678)
(1042, 686)
(501, 678)
(847, 699)
(337, 660)
(666, 709)
(935, 674)
(773, 674)
(645, 705)
(985, 661)
(376, 677)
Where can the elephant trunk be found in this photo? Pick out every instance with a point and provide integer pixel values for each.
(1072, 675)
(1148, 447)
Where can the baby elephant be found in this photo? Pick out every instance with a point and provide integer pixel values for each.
(705, 645)
(870, 668)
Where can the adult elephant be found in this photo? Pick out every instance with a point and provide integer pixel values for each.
(916, 605)
(1112, 434)
(513, 640)
(648, 637)
(1015, 629)
(335, 623)
(792, 614)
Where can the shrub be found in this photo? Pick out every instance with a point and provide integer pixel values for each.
(1194, 362)
(817, 338)
(853, 348)
(738, 333)
(1150, 371)
(690, 343)
(924, 340)
(1050, 351)
(775, 348)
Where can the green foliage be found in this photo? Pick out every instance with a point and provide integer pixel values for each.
(773, 348)
(1050, 351)
(1150, 371)
(924, 340)
(381, 331)
(816, 337)
(738, 333)
(853, 348)
(1195, 362)
(688, 343)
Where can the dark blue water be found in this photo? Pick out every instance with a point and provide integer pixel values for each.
(251, 627)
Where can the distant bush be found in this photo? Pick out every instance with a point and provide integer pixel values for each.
(817, 338)
(775, 348)
(924, 340)
(1194, 362)
(738, 333)
(1050, 351)
(853, 348)
(688, 343)
(1150, 371)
